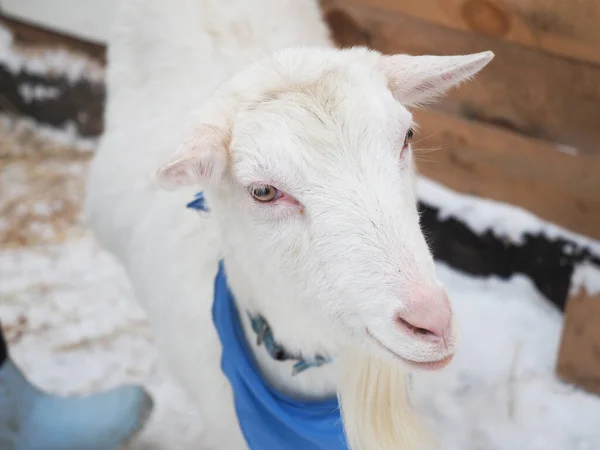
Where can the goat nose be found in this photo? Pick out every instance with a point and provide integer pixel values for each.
(428, 316)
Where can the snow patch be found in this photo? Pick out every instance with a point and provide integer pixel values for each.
(31, 92)
(67, 135)
(46, 62)
(586, 276)
(567, 149)
(74, 328)
(501, 391)
(506, 221)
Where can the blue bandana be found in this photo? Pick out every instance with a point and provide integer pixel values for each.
(269, 419)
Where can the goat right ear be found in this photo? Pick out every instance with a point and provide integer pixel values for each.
(417, 80)
(201, 159)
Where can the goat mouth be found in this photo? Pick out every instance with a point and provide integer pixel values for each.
(423, 365)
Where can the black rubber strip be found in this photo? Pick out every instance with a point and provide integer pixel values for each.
(549, 263)
(3, 347)
(80, 102)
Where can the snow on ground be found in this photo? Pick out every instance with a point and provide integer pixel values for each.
(501, 393)
(74, 327)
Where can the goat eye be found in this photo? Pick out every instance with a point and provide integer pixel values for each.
(408, 137)
(265, 193)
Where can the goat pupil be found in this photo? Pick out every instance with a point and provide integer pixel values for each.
(264, 193)
(408, 137)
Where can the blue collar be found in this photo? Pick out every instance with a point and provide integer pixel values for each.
(268, 419)
(264, 334)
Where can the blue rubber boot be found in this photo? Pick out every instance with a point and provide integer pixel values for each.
(33, 420)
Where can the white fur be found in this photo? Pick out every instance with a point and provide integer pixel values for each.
(323, 125)
(374, 399)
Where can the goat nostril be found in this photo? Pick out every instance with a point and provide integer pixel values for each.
(423, 332)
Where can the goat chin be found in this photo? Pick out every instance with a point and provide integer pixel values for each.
(374, 404)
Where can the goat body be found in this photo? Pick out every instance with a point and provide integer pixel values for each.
(256, 99)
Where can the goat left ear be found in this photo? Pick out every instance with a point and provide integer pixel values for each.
(200, 159)
(417, 80)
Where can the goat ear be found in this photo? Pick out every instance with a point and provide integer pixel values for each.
(200, 159)
(417, 80)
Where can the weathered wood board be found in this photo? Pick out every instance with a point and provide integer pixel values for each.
(487, 161)
(29, 34)
(565, 28)
(579, 355)
(534, 93)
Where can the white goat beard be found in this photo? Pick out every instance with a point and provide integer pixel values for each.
(374, 404)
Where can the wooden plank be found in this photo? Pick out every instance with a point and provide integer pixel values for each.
(78, 102)
(488, 161)
(566, 28)
(40, 37)
(534, 93)
(579, 354)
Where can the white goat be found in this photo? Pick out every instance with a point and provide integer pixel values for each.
(305, 161)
